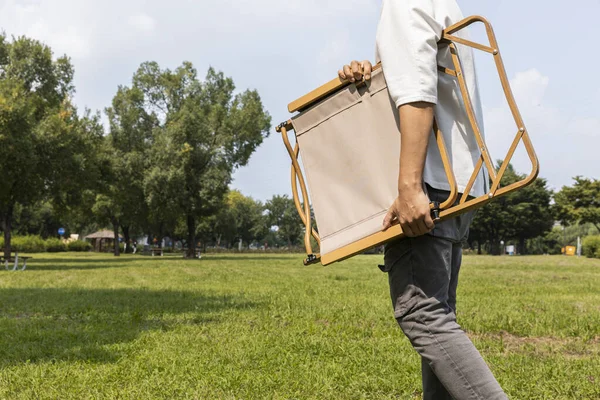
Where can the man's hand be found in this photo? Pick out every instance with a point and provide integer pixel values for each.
(411, 210)
(356, 70)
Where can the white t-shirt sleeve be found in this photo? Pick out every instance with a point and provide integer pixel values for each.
(407, 39)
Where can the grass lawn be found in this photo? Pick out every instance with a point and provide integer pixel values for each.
(83, 326)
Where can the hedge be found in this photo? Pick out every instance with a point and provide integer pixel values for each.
(26, 244)
(79, 245)
(35, 244)
(591, 246)
(54, 245)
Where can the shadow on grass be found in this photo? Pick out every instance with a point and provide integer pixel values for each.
(38, 325)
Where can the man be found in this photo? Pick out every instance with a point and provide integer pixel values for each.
(423, 268)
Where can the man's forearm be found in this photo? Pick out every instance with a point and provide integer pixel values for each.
(416, 121)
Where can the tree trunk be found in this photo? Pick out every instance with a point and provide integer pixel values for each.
(160, 235)
(116, 241)
(522, 246)
(191, 225)
(495, 246)
(479, 247)
(126, 238)
(7, 228)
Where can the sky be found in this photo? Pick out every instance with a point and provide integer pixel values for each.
(284, 49)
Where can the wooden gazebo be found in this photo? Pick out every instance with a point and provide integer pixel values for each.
(102, 241)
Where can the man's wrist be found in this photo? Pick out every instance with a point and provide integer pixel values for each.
(410, 185)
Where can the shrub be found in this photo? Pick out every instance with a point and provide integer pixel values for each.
(54, 245)
(591, 246)
(26, 244)
(79, 245)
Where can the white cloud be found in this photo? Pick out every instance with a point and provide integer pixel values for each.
(566, 145)
(142, 22)
(529, 87)
(81, 29)
(33, 20)
(68, 40)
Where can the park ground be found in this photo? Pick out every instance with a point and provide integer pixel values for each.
(89, 326)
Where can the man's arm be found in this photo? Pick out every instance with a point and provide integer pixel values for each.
(407, 39)
(411, 207)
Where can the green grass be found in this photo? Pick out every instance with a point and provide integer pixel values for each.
(82, 326)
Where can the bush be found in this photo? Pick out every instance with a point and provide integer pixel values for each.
(591, 246)
(54, 245)
(79, 245)
(26, 244)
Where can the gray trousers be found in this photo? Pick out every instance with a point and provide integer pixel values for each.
(423, 275)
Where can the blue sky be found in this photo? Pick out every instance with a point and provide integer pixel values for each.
(286, 48)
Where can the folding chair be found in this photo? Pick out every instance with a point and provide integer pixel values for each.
(352, 172)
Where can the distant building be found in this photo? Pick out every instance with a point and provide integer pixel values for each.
(72, 238)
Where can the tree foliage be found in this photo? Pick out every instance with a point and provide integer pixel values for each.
(120, 198)
(579, 203)
(519, 216)
(205, 132)
(282, 213)
(45, 147)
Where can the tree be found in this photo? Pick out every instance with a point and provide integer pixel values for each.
(492, 223)
(242, 218)
(205, 133)
(43, 143)
(36, 219)
(282, 213)
(521, 215)
(579, 203)
(532, 213)
(121, 200)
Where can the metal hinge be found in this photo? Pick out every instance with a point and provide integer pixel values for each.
(435, 211)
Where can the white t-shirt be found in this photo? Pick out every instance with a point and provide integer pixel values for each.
(407, 38)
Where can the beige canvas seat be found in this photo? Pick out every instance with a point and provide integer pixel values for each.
(351, 173)
(352, 187)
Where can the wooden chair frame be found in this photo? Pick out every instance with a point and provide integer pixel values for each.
(450, 207)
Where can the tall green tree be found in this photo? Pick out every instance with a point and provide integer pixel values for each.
(241, 218)
(39, 219)
(519, 216)
(42, 140)
(121, 200)
(206, 131)
(579, 203)
(282, 213)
